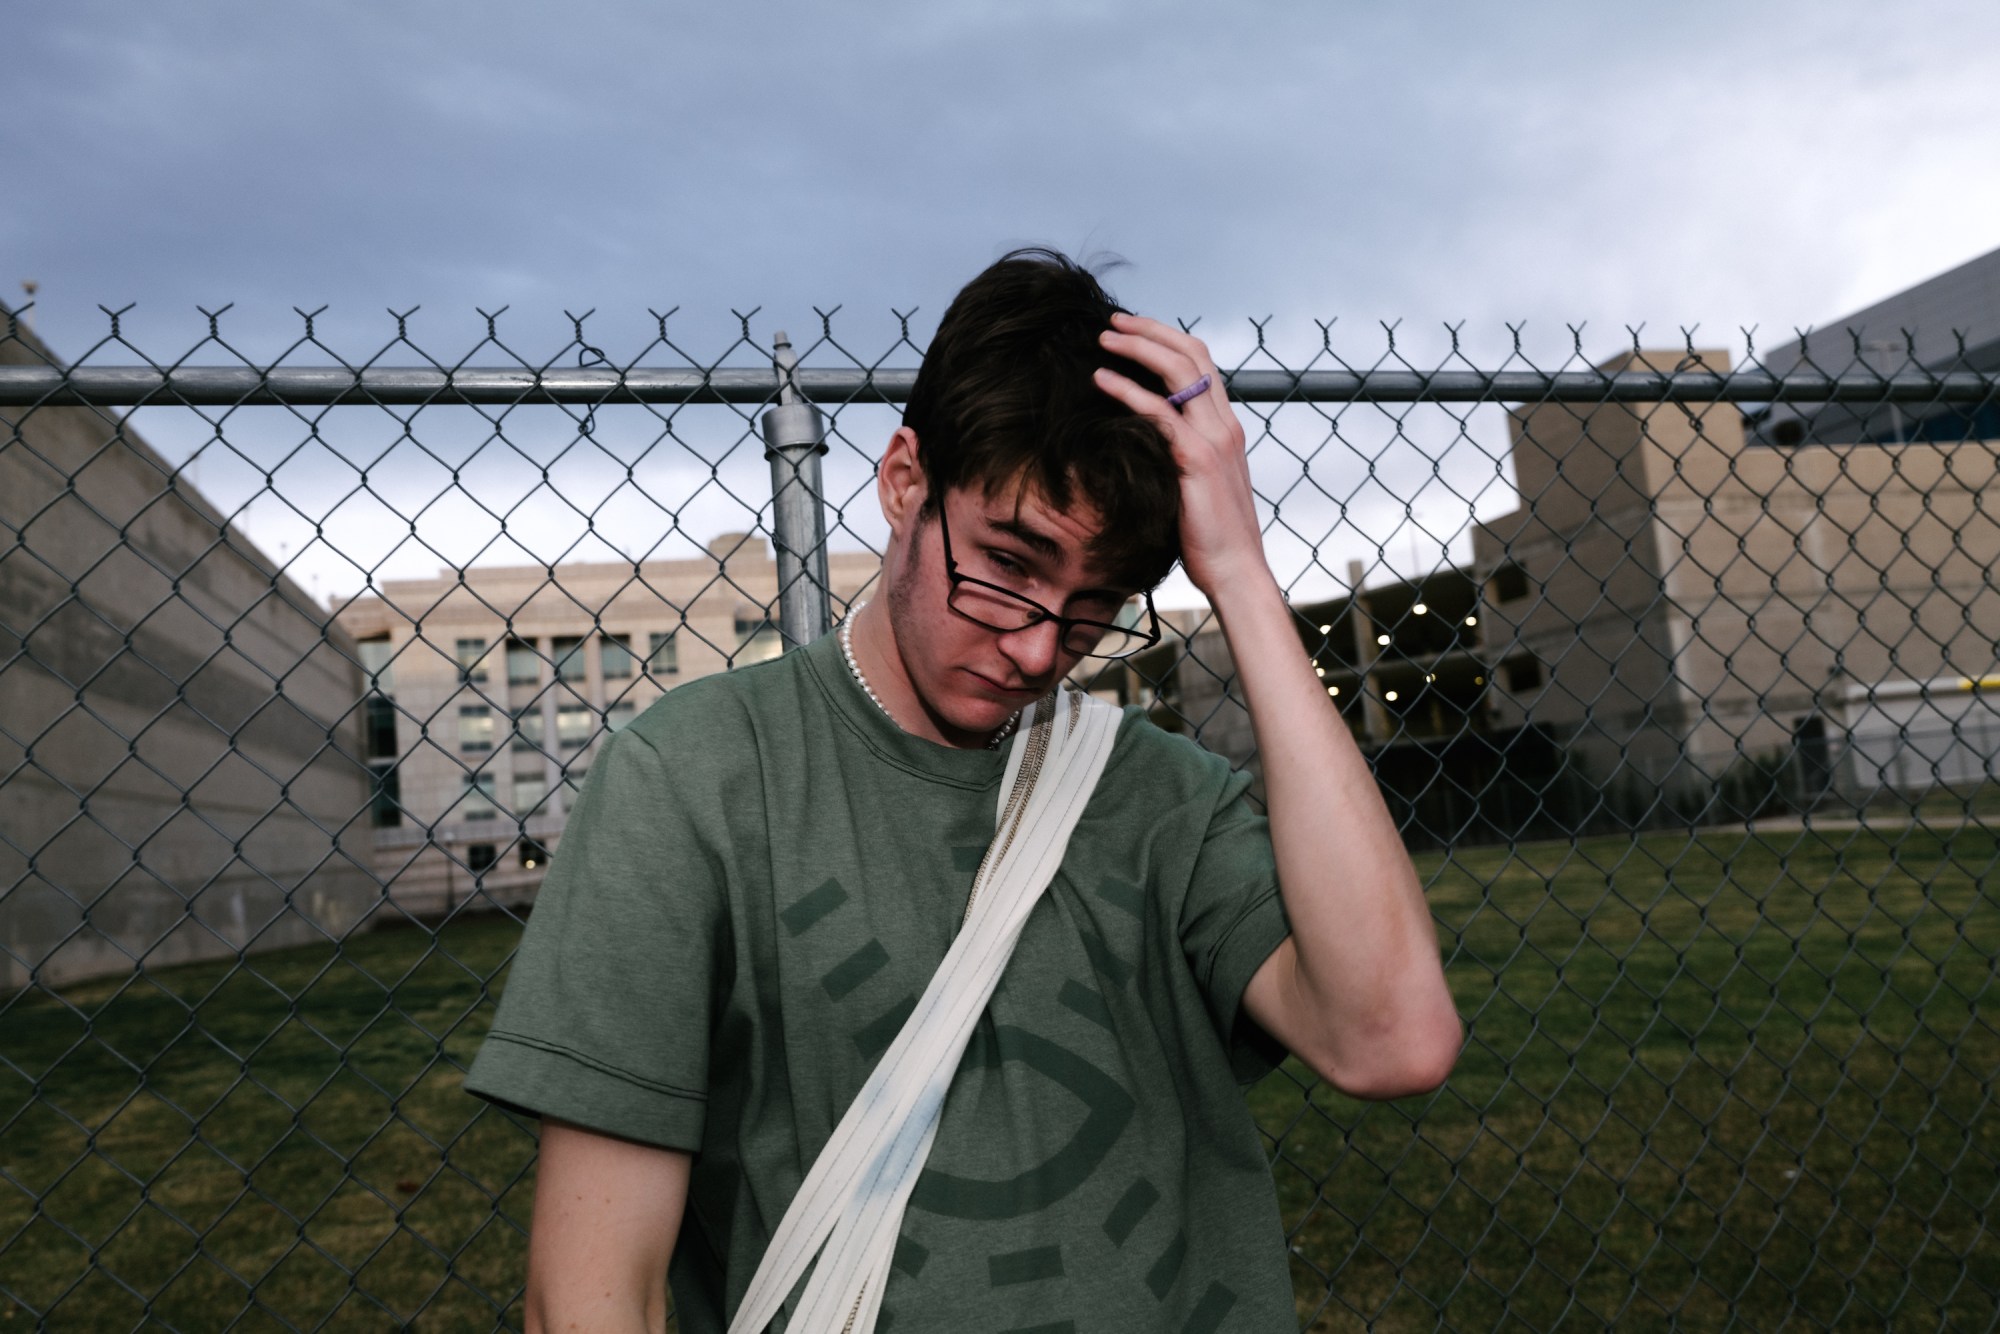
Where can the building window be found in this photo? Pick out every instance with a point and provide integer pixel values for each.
(477, 800)
(530, 791)
(386, 810)
(663, 656)
(614, 657)
(1524, 676)
(379, 722)
(479, 857)
(524, 665)
(471, 660)
(757, 640)
(574, 724)
(375, 662)
(568, 653)
(620, 715)
(1510, 583)
(533, 854)
(475, 727)
(528, 728)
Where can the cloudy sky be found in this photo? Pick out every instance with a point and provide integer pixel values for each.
(1771, 164)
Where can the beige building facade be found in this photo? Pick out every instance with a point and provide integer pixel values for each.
(1670, 599)
(490, 694)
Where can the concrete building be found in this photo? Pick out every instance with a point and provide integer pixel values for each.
(178, 730)
(1672, 600)
(491, 688)
(1673, 610)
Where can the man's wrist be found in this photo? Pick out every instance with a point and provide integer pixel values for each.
(1250, 589)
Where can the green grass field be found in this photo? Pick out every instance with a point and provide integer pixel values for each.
(1710, 1079)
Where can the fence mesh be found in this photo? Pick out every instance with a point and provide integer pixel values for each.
(1680, 679)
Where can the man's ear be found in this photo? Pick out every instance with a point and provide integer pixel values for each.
(899, 482)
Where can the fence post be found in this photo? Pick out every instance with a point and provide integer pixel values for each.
(794, 438)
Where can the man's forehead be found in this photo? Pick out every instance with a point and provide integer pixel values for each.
(1064, 535)
(1025, 508)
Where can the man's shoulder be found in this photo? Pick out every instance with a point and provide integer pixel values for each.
(1166, 765)
(722, 711)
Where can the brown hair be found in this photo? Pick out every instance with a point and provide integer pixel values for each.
(1005, 397)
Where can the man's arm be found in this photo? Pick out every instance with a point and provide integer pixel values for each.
(607, 1211)
(1357, 992)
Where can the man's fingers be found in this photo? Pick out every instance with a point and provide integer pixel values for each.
(1180, 359)
(1141, 400)
(1179, 339)
(1172, 365)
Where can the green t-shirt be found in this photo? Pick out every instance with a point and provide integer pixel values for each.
(758, 881)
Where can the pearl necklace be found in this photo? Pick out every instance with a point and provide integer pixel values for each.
(847, 652)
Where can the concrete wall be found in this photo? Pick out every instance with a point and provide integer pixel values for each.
(178, 723)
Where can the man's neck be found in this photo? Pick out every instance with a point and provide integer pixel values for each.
(879, 659)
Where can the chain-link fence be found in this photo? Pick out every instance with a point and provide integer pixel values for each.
(1681, 684)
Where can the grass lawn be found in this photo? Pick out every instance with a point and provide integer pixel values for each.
(1709, 1078)
(260, 1135)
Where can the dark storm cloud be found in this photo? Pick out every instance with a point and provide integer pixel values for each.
(1567, 161)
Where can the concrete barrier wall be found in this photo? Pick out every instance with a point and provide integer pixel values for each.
(179, 724)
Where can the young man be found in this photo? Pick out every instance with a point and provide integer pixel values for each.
(766, 868)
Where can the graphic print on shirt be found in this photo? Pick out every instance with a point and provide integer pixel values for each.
(1108, 1106)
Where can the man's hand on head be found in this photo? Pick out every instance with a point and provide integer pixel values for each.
(1358, 992)
(1222, 545)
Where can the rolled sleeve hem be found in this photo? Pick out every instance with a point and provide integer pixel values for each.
(539, 1078)
(1263, 927)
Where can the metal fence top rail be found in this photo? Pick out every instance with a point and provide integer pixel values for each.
(226, 386)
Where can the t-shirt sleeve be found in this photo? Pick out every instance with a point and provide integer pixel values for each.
(1231, 919)
(605, 1019)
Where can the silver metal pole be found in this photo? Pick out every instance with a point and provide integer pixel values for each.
(794, 439)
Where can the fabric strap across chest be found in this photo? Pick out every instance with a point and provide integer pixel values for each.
(849, 1209)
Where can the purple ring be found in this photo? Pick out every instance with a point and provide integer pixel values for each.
(1193, 391)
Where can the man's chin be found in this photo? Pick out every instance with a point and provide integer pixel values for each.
(978, 717)
(987, 691)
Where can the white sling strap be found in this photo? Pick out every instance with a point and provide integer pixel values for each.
(850, 1207)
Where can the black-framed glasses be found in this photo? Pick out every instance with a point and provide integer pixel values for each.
(1005, 611)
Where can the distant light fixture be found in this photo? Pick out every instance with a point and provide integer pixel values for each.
(1429, 677)
(1326, 629)
(1333, 690)
(1381, 639)
(1472, 620)
(1319, 671)
(530, 863)
(1420, 609)
(1479, 680)
(1391, 697)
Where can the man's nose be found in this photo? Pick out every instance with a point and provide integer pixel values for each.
(1034, 650)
